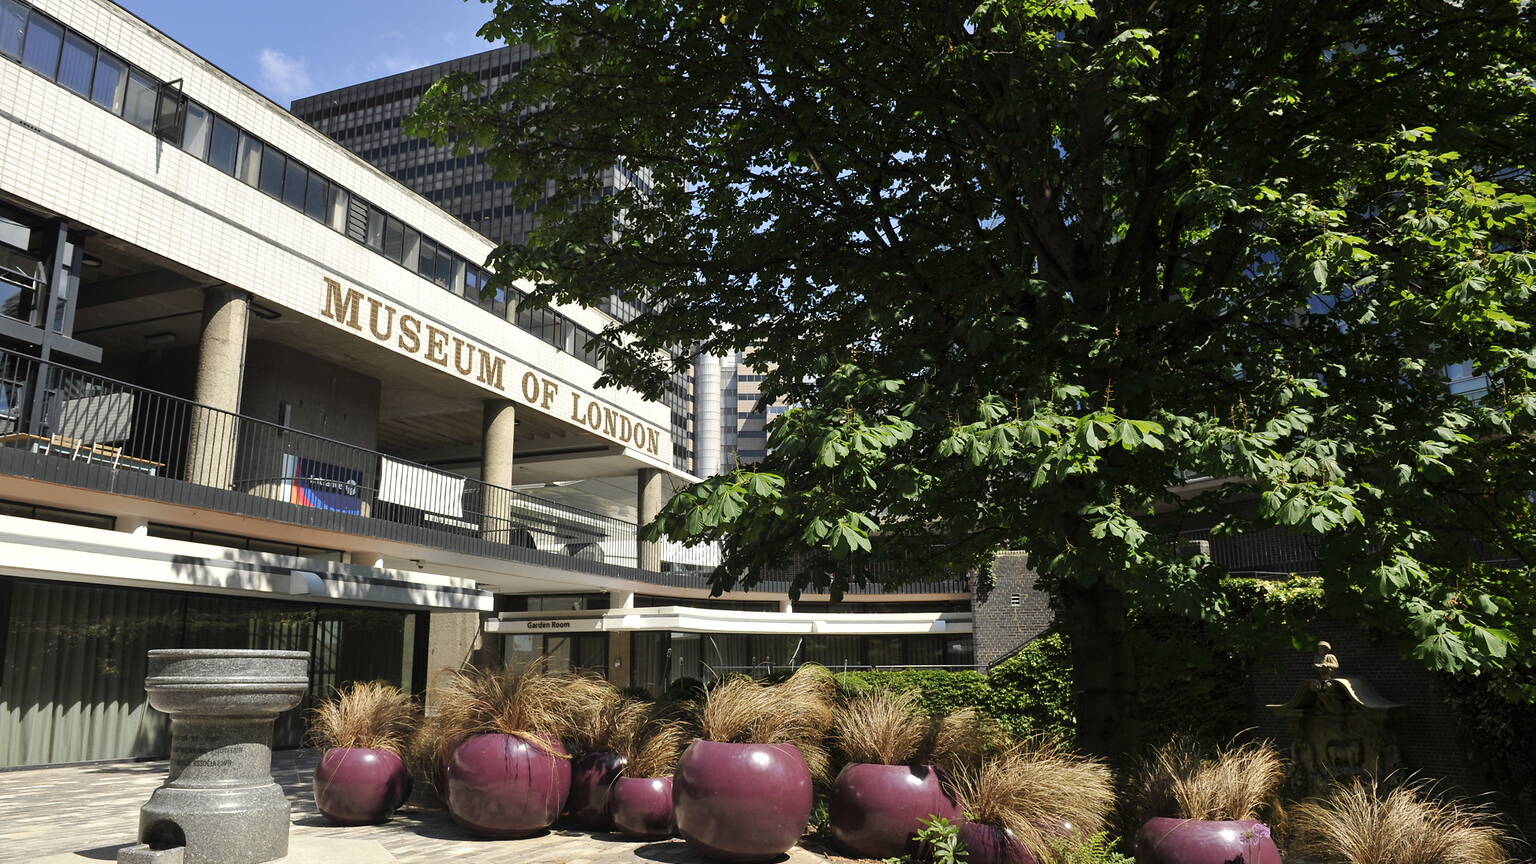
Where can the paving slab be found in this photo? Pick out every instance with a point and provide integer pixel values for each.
(85, 813)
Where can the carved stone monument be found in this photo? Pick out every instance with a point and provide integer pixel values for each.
(1340, 728)
(219, 804)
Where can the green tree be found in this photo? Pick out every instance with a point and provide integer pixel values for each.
(1070, 277)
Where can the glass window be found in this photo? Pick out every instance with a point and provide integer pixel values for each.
(428, 259)
(376, 228)
(412, 248)
(222, 145)
(250, 159)
(13, 20)
(314, 197)
(170, 113)
(394, 239)
(339, 198)
(77, 63)
(273, 164)
(111, 78)
(139, 101)
(456, 278)
(194, 139)
(44, 37)
(293, 187)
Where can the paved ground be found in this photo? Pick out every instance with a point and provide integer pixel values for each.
(93, 810)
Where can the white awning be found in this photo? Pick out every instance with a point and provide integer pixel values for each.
(687, 619)
(421, 488)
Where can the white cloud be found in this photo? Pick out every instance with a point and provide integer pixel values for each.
(284, 77)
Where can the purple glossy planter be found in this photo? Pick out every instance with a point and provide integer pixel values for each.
(1195, 841)
(741, 802)
(990, 844)
(641, 807)
(358, 786)
(873, 810)
(592, 775)
(506, 786)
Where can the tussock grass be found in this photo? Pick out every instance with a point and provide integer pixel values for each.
(1184, 781)
(593, 705)
(1046, 795)
(1363, 823)
(371, 714)
(532, 704)
(654, 751)
(798, 711)
(424, 753)
(890, 727)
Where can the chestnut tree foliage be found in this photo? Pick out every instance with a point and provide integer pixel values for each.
(1078, 278)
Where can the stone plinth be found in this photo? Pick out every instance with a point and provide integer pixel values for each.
(219, 805)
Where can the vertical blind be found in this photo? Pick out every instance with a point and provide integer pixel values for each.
(72, 671)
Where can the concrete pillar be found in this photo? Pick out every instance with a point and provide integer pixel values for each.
(499, 428)
(135, 525)
(365, 558)
(786, 605)
(213, 435)
(621, 600)
(649, 504)
(454, 641)
(619, 658)
(708, 420)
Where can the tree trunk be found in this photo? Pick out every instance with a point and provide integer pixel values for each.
(1103, 672)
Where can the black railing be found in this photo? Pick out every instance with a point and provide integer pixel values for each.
(71, 414)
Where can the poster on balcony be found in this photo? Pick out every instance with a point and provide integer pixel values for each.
(322, 485)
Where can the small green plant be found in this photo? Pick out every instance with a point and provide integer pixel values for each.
(1098, 849)
(940, 839)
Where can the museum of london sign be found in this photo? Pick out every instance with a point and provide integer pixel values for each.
(426, 341)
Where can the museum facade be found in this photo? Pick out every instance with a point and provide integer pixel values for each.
(252, 395)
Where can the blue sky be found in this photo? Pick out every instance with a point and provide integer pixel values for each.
(292, 48)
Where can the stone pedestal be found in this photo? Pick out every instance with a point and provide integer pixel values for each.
(220, 804)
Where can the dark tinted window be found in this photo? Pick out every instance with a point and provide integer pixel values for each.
(375, 229)
(394, 239)
(139, 101)
(42, 49)
(412, 248)
(314, 197)
(78, 62)
(111, 78)
(13, 21)
(293, 187)
(273, 164)
(221, 145)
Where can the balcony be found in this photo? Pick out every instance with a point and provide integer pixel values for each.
(63, 425)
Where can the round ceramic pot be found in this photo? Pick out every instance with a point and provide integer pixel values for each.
(991, 844)
(873, 810)
(358, 786)
(505, 785)
(1195, 841)
(741, 802)
(592, 775)
(641, 807)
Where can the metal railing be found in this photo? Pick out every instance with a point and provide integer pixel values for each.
(68, 413)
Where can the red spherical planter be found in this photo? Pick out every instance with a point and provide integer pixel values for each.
(1196, 841)
(505, 785)
(873, 810)
(592, 775)
(991, 844)
(358, 786)
(641, 807)
(741, 802)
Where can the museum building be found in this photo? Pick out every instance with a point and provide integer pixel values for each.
(251, 396)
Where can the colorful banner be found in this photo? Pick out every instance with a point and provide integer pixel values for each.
(322, 485)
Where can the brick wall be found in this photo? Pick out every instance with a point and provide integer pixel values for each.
(1012, 613)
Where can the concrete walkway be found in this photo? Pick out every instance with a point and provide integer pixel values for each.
(92, 810)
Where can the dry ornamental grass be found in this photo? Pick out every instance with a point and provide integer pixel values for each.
(798, 711)
(372, 715)
(533, 704)
(1362, 823)
(1045, 795)
(1236, 781)
(887, 727)
(655, 750)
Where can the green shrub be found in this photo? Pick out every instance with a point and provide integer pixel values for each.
(941, 690)
(1098, 849)
(1031, 692)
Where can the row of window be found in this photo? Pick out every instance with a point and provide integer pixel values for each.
(401, 93)
(61, 55)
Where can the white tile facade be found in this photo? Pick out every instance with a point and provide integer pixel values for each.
(65, 154)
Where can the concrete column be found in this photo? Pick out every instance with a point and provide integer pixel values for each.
(454, 641)
(213, 435)
(708, 422)
(135, 525)
(619, 659)
(649, 504)
(621, 599)
(499, 428)
(786, 605)
(365, 558)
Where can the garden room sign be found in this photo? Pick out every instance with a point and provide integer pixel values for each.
(422, 339)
